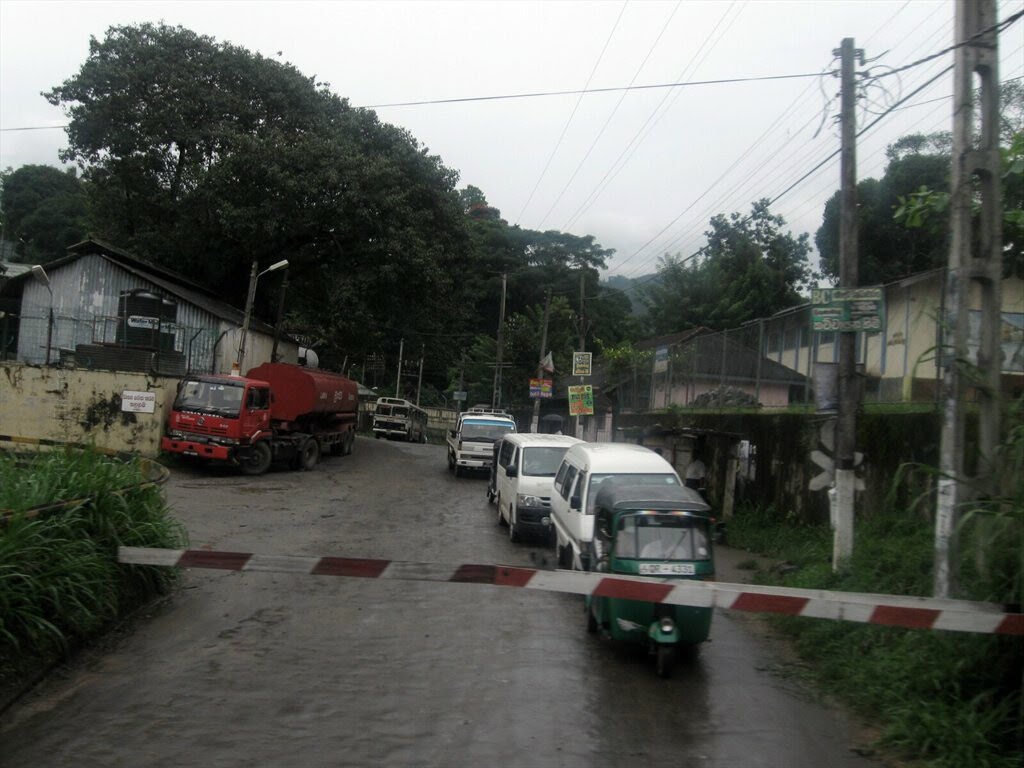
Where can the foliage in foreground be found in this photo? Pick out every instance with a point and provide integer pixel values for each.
(60, 582)
(948, 698)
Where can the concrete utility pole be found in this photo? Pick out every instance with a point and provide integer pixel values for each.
(535, 421)
(849, 392)
(419, 380)
(578, 428)
(398, 379)
(496, 394)
(975, 170)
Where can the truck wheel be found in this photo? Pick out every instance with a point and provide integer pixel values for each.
(347, 443)
(258, 460)
(309, 454)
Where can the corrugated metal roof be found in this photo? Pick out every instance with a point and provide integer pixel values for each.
(171, 282)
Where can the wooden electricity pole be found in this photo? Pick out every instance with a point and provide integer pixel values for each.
(974, 267)
(846, 425)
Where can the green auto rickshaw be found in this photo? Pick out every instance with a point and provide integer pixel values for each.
(648, 530)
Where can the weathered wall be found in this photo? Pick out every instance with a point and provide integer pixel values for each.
(82, 406)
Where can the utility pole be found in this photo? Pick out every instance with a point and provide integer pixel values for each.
(398, 379)
(535, 421)
(975, 265)
(496, 394)
(578, 428)
(849, 393)
(419, 381)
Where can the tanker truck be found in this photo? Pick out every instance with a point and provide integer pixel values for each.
(277, 412)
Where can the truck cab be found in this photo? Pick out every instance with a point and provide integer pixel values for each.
(215, 417)
(471, 443)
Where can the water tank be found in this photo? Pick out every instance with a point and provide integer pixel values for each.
(138, 318)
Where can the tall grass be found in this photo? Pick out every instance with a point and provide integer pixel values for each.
(60, 582)
(949, 699)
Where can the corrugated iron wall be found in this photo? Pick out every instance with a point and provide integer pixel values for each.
(85, 307)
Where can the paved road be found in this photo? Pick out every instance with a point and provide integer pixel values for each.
(289, 670)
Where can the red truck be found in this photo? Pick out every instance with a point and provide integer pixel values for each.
(276, 412)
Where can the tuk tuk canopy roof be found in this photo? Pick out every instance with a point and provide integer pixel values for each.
(656, 498)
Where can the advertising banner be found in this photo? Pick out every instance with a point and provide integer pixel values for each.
(540, 388)
(581, 363)
(581, 400)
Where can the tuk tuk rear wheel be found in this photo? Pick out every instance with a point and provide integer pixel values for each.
(591, 620)
(665, 658)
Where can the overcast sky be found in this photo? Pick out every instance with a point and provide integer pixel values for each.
(642, 171)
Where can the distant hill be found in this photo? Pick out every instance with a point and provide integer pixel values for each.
(629, 286)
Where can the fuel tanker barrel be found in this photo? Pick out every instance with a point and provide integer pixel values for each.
(303, 392)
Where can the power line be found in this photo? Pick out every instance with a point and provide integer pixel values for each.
(615, 89)
(572, 114)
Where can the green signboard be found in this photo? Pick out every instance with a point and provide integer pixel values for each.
(847, 309)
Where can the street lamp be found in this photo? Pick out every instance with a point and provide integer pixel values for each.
(43, 279)
(253, 277)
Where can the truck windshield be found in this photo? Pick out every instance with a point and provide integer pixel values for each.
(485, 432)
(662, 537)
(221, 398)
(543, 461)
(599, 481)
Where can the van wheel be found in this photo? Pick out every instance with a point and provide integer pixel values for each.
(501, 519)
(565, 558)
(513, 529)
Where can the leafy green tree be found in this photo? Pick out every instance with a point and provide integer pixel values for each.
(749, 268)
(44, 210)
(204, 156)
(887, 250)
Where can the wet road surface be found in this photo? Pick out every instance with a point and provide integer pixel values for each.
(292, 670)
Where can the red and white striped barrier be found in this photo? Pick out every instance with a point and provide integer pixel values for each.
(886, 610)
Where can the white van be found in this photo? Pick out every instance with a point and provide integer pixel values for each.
(587, 468)
(524, 472)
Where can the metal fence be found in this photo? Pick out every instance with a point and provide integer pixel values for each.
(94, 341)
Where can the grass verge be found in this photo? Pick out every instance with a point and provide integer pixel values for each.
(945, 698)
(60, 583)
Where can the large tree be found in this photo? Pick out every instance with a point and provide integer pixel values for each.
(751, 267)
(44, 211)
(888, 250)
(204, 156)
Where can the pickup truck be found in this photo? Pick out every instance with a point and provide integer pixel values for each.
(471, 443)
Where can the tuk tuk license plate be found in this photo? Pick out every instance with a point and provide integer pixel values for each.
(667, 569)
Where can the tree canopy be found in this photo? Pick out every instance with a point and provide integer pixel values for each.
(749, 268)
(44, 210)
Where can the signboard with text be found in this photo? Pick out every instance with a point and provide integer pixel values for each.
(540, 388)
(581, 400)
(847, 309)
(581, 363)
(138, 402)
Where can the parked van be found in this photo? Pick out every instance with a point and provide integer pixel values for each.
(586, 469)
(524, 473)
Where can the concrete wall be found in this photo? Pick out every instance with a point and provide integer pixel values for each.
(82, 406)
